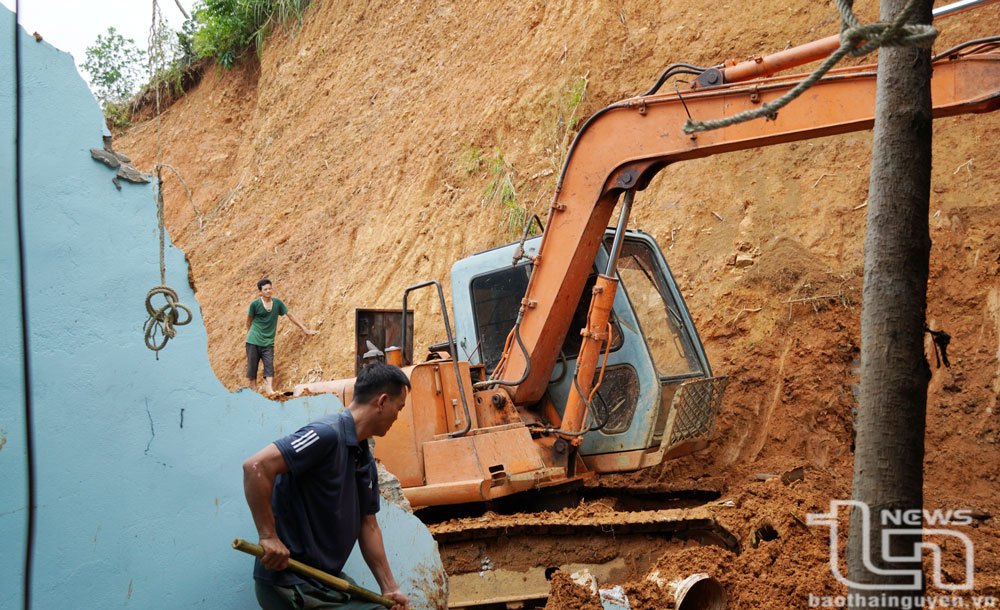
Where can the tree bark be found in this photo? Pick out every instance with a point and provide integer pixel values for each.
(889, 446)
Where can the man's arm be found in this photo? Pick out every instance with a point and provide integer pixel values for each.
(259, 473)
(249, 321)
(372, 549)
(300, 324)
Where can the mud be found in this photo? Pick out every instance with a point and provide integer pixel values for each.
(567, 594)
(341, 166)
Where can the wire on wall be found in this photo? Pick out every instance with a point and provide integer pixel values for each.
(29, 544)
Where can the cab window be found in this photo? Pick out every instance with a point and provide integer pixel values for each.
(496, 298)
(660, 318)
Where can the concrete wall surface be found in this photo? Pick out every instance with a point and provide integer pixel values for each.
(139, 485)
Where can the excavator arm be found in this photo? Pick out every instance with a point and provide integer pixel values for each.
(623, 146)
(466, 438)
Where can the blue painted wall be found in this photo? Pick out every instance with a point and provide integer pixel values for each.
(134, 508)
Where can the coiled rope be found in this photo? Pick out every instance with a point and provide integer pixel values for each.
(159, 327)
(856, 39)
(162, 320)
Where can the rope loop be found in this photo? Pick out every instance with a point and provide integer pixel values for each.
(899, 33)
(856, 39)
(162, 320)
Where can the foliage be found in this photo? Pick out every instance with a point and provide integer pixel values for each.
(226, 28)
(170, 54)
(185, 43)
(115, 66)
(574, 96)
(118, 115)
(501, 184)
(472, 159)
(501, 190)
(568, 121)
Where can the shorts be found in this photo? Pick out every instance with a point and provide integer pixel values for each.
(308, 597)
(257, 353)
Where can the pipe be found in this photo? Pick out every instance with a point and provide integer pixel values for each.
(818, 49)
(616, 246)
(694, 592)
(958, 7)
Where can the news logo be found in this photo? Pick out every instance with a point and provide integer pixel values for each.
(900, 518)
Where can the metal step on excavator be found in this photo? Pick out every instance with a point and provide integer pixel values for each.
(573, 353)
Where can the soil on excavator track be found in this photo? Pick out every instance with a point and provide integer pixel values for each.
(615, 546)
(352, 159)
(618, 533)
(569, 499)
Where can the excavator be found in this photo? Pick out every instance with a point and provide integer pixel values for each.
(573, 353)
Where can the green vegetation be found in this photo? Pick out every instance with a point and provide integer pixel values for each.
(170, 55)
(501, 190)
(115, 66)
(220, 29)
(472, 159)
(226, 28)
(567, 122)
(574, 96)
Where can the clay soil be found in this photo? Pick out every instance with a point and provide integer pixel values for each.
(343, 165)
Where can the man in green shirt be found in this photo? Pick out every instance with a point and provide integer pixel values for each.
(262, 322)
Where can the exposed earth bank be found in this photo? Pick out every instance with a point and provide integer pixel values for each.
(351, 160)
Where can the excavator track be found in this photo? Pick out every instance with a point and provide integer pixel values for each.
(497, 561)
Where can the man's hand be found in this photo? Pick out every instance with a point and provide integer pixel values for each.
(299, 323)
(402, 603)
(275, 554)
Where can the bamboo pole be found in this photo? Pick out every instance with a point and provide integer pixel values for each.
(328, 579)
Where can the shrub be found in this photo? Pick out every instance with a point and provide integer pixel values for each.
(472, 158)
(115, 65)
(226, 28)
(501, 189)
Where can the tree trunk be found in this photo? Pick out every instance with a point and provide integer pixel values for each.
(888, 459)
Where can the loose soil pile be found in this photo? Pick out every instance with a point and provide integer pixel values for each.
(351, 160)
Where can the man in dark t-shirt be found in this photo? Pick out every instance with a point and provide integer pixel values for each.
(262, 323)
(314, 493)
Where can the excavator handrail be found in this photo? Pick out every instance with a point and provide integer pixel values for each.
(451, 348)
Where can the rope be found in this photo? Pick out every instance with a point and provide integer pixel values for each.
(856, 39)
(159, 327)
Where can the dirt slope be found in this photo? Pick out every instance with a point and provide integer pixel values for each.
(338, 164)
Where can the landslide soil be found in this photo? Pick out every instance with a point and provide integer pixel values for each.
(342, 165)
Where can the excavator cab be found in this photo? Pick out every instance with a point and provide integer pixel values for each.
(657, 380)
(464, 439)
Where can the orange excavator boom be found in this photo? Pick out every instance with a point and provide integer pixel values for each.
(623, 146)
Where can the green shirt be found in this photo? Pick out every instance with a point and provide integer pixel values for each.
(264, 322)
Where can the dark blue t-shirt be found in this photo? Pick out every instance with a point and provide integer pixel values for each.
(331, 482)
